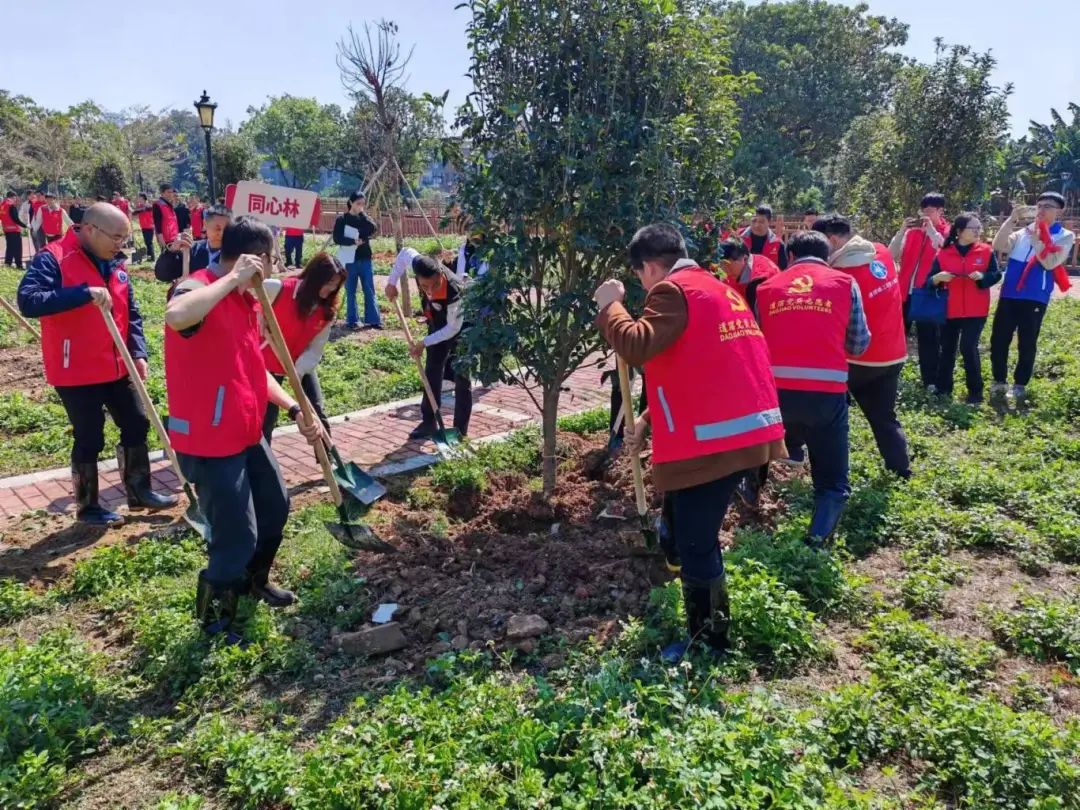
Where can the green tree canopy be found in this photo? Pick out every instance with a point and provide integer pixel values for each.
(588, 119)
(301, 136)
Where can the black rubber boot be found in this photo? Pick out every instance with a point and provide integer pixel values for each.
(135, 473)
(261, 586)
(708, 614)
(665, 532)
(425, 430)
(84, 483)
(215, 608)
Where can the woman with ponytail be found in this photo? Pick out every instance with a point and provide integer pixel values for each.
(968, 269)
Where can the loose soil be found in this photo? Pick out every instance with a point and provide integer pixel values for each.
(20, 370)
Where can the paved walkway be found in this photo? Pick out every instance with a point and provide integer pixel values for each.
(376, 438)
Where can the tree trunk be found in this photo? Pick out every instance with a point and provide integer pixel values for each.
(550, 423)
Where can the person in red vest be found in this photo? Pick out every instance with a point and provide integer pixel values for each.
(36, 202)
(12, 226)
(294, 247)
(51, 220)
(121, 202)
(874, 376)
(218, 388)
(913, 250)
(744, 270)
(813, 320)
(306, 306)
(196, 209)
(712, 408)
(967, 268)
(145, 212)
(68, 291)
(166, 223)
(760, 238)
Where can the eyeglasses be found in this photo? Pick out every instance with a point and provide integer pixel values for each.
(116, 237)
(1043, 206)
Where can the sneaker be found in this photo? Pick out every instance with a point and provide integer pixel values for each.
(998, 390)
(796, 457)
(1018, 392)
(353, 327)
(932, 389)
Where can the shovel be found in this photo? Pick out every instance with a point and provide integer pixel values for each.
(192, 515)
(447, 442)
(353, 535)
(648, 532)
(355, 481)
(25, 324)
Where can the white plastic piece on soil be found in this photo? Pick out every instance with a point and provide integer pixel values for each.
(384, 612)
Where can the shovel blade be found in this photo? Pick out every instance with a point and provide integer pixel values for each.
(357, 536)
(197, 521)
(358, 484)
(448, 442)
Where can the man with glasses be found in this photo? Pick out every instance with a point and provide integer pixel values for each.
(69, 290)
(1035, 252)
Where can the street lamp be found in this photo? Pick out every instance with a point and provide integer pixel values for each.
(206, 108)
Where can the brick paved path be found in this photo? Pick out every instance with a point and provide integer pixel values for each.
(376, 438)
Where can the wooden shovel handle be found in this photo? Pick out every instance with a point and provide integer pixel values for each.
(185, 258)
(143, 394)
(25, 324)
(277, 340)
(629, 428)
(419, 365)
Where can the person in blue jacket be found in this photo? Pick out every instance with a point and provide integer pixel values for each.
(170, 264)
(1022, 306)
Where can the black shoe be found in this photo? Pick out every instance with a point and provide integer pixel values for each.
(749, 489)
(135, 473)
(261, 587)
(974, 399)
(215, 608)
(84, 483)
(425, 430)
(708, 612)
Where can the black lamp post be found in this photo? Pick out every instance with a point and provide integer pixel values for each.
(206, 109)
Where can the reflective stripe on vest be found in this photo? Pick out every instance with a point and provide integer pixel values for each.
(797, 373)
(738, 425)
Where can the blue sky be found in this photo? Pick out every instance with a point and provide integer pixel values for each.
(161, 54)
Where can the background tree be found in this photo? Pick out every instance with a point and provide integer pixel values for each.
(106, 177)
(50, 148)
(15, 168)
(587, 120)
(299, 135)
(819, 66)
(235, 159)
(1053, 154)
(146, 149)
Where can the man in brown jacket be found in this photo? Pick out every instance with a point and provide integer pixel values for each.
(711, 389)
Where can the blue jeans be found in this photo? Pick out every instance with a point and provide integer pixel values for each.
(820, 421)
(361, 271)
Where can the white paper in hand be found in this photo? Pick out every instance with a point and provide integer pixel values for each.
(351, 232)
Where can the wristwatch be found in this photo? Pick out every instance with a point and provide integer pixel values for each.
(294, 412)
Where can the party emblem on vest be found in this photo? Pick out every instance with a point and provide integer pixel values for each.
(736, 300)
(121, 276)
(801, 285)
(877, 270)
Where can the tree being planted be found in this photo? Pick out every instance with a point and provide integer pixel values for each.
(588, 119)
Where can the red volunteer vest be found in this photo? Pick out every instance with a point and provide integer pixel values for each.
(772, 246)
(966, 300)
(76, 347)
(34, 206)
(52, 222)
(294, 231)
(146, 219)
(916, 258)
(6, 219)
(884, 308)
(698, 411)
(170, 228)
(804, 313)
(196, 222)
(760, 266)
(123, 205)
(216, 379)
(298, 331)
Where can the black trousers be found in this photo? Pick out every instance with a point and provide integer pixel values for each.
(874, 390)
(439, 366)
(962, 333)
(697, 514)
(294, 250)
(13, 249)
(929, 339)
(246, 504)
(148, 238)
(1023, 319)
(312, 390)
(86, 406)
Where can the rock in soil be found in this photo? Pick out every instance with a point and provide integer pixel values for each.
(376, 640)
(522, 627)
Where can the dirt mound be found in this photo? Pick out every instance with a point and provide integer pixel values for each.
(20, 370)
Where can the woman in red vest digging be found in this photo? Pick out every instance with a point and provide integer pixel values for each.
(218, 388)
(712, 408)
(968, 269)
(305, 305)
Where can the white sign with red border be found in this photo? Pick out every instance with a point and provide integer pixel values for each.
(279, 206)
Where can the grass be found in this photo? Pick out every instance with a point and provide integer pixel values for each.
(34, 430)
(851, 685)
